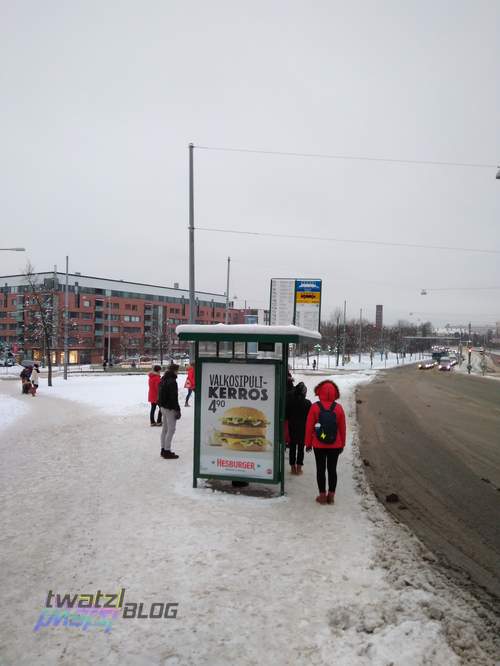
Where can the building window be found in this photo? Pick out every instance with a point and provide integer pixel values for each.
(86, 304)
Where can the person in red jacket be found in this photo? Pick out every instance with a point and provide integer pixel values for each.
(154, 384)
(189, 383)
(325, 417)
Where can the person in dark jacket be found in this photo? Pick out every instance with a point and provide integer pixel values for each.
(26, 379)
(168, 399)
(326, 453)
(289, 392)
(297, 409)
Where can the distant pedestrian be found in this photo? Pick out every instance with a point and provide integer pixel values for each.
(25, 379)
(326, 433)
(154, 379)
(35, 374)
(297, 409)
(189, 383)
(168, 399)
(314, 364)
(104, 365)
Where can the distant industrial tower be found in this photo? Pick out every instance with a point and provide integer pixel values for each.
(379, 316)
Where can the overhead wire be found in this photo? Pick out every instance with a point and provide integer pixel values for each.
(329, 239)
(427, 289)
(328, 156)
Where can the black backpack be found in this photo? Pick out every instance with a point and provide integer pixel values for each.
(326, 427)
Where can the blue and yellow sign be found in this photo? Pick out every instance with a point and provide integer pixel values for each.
(308, 291)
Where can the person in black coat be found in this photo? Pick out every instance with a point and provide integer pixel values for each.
(297, 409)
(25, 379)
(168, 400)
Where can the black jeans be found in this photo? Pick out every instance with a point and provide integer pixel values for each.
(188, 395)
(154, 405)
(296, 453)
(326, 458)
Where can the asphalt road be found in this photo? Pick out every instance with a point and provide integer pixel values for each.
(433, 438)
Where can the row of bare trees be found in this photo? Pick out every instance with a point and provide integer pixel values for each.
(364, 336)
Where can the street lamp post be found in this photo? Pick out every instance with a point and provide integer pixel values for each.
(360, 333)
(344, 334)
(109, 331)
(192, 316)
(66, 322)
(226, 317)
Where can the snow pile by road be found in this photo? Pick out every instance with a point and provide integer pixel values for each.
(10, 371)
(89, 504)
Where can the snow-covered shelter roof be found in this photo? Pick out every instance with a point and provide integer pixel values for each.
(248, 332)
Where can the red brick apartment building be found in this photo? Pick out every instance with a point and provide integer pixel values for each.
(138, 319)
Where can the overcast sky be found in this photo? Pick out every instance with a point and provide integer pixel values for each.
(100, 100)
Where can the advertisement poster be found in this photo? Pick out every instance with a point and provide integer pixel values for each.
(237, 413)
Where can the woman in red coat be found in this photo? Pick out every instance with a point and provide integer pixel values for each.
(189, 383)
(326, 432)
(154, 384)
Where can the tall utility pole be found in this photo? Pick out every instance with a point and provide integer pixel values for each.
(226, 317)
(343, 335)
(109, 331)
(469, 349)
(66, 322)
(337, 340)
(192, 311)
(360, 333)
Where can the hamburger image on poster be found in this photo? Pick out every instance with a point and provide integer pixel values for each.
(240, 441)
(242, 429)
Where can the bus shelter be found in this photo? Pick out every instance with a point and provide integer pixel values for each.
(241, 381)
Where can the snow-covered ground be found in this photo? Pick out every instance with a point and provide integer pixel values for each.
(87, 504)
(327, 362)
(12, 409)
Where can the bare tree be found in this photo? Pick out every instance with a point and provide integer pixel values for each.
(160, 339)
(42, 324)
